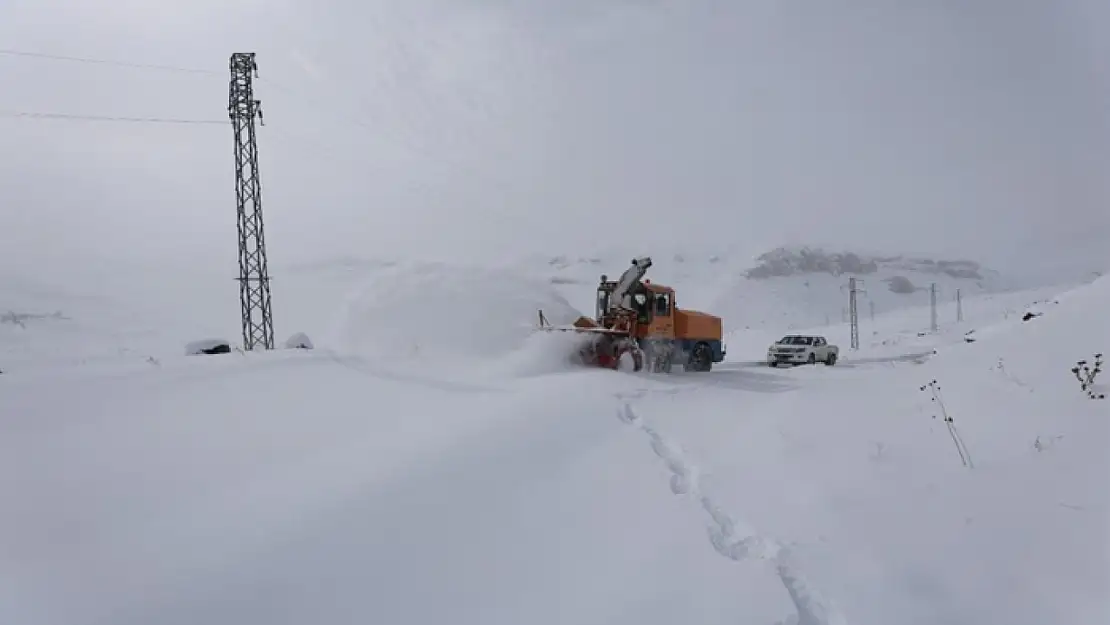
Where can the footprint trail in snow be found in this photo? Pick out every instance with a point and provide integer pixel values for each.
(733, 539)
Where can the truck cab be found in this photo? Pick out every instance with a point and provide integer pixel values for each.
(653, 304)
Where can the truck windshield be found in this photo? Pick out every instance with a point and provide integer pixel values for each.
(662, 305)
(796, 340)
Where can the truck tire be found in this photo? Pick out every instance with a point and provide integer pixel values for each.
(656, 356)
(637, 360)
(812, 358)
(637, 356)
(701, 359)
(830, 360)
(660, 361)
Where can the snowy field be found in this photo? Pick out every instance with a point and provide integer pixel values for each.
(434, 460)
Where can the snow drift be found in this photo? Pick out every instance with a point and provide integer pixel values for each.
(856, 467)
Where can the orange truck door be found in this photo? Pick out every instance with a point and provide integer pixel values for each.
(662, 318)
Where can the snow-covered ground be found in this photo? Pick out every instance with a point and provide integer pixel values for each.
(435, 461)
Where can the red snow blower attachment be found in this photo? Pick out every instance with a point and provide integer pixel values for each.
(612, 333)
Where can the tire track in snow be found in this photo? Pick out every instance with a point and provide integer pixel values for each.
(734, 539)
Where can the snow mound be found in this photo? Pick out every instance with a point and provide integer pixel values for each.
(440, 314)
(299, 340)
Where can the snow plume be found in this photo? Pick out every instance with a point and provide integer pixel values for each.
(546, 353)
(435, 314)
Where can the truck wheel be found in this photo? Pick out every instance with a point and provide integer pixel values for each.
(701, 359)
(622, 347)
(812, 358)
(661, 357)
(634, 352)
(660, 363)
(637, 360)
(830, 360)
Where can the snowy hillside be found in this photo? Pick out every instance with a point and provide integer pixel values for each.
(433, 460)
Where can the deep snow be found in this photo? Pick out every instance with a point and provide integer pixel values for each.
(434, 460)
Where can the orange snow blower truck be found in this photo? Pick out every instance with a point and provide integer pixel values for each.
(637, 318)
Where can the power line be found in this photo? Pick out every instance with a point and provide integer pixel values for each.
(461, 165)
(110, 118)
(82, 59)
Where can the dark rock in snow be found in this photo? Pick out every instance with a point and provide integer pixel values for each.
(901, 285)
(208, 346)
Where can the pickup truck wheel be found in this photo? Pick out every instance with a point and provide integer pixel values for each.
(830, 360)
(812, 358)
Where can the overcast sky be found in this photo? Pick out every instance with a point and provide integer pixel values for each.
(498, 127)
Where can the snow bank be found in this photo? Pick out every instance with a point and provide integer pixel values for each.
(856, 468)
(299, 340)
(1067, 328)
(438, 314)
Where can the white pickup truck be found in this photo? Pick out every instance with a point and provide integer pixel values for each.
(797, 349)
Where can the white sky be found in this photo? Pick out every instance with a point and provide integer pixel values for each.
(492, 128)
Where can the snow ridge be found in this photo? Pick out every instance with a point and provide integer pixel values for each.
(734, 539)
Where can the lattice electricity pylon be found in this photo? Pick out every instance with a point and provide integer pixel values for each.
(254, 280)
(853, 308)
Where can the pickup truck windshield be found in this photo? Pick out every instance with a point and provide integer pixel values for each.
(796, 340)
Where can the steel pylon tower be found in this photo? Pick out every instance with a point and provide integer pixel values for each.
(254, 279)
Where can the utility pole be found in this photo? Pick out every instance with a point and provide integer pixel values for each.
(853, 312)
(853, 309)
(959, 307)
(254, 279)
(871, 305)
(933, 306)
